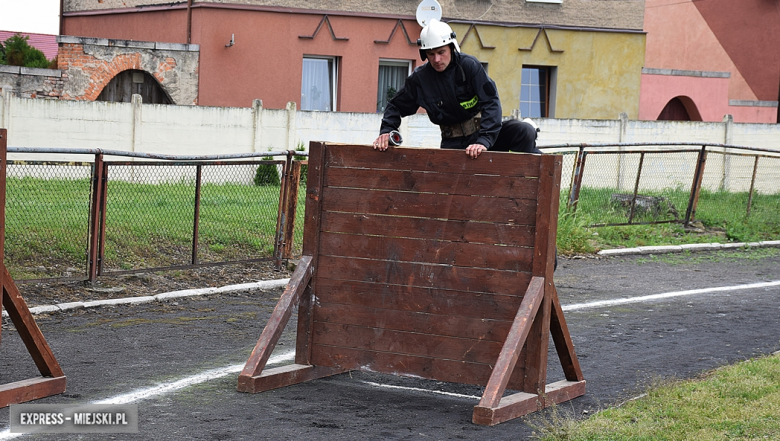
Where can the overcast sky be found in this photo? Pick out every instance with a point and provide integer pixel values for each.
(36, 16)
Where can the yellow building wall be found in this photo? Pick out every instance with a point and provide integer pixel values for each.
(598, 73)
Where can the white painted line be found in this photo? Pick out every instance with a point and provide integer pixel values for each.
(666, 295)
(417, 389)
(151, 392)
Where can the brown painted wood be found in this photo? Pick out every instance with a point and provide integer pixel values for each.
(511, 406)
(436, 206)
(431, 300)
(404, 365)
(458, 254)
(290, 205)
(433, 229)
(284, 376)
(279, 318)
(442, 183)
(3, 165)
(510, 352)
(433, 324)
(422, 265)
(28, 330)
(425, 275)
(562, 340)
(441, 161)
(381, 339)
(31, 389)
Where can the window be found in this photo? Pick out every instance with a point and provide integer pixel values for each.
(318, 84)
(537, 91)
(392, 74)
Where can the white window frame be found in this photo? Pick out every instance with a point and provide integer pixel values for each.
(396, 63)
(334, 79)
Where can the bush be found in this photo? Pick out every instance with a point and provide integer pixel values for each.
(304, 168)
(17, 52)
(266, 174)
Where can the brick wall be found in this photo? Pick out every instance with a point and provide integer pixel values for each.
(90, 63)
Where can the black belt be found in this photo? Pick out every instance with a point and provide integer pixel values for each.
(465, 128)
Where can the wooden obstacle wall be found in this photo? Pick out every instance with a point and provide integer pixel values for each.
(424, 262)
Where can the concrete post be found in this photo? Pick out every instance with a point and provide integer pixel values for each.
(257, 124)
(291, 108)
(621, 165)
(5, 108)
(136, 103)
(728, 128)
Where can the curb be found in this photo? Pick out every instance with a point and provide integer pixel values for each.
(689, 247)
(262, 285)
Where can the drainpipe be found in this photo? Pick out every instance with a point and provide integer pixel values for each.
(189, 21)
(62, 5)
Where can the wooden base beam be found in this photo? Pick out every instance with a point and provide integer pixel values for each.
(523, 403)
(32, 389)
(284, 376)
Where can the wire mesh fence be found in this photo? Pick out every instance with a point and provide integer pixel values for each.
(81, 219)
(47, 218)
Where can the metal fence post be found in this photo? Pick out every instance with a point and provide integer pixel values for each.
(96, 202)
(290, 207)
(752, 186)
(576, 185)
(196, 215)
(636, 187)
(101, 242)
(281, 218)
(690, 212)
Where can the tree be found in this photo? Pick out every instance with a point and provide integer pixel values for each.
(17, 52)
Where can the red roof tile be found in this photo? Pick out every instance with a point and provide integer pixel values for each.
(43, 42)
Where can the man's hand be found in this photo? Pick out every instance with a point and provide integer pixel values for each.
(474, 150)
(382, 142)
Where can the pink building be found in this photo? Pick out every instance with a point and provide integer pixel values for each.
(43, 42)
(707, 59)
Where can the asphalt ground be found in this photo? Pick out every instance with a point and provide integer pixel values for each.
(178, 360)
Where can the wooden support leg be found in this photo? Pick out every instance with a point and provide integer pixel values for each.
(492, 408)
(53, 380)
(252, 379)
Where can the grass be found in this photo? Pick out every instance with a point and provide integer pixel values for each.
(741, 401)
(720, 217)
(150, 225)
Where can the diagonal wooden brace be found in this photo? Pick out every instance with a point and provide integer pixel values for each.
(252, 378)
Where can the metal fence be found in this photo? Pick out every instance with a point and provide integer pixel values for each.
(84, 219)
(631, 184)
(80, 220)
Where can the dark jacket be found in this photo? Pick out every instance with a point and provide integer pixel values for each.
(449, 97)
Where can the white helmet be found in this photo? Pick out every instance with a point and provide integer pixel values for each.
(436, 34)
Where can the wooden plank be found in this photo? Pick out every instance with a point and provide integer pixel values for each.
(340, 336)
(314, 179)
(563, 343)
(545, 217)
(443, 161)
(431, 251)
(430, 182)
(278, 320)
(425, 275)
(284, 376)
(537, 346)
(471, 208)
(32, 389)
(510, 352)
(404, 365)
(28, 330)
(563, 390)
(434, 324)
(433, 229)
(523, 403)
(3, 165)
(512, 406)
(417, 299)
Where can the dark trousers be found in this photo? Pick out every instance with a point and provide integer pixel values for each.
(515, 136)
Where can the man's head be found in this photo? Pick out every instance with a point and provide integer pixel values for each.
(439, 58)
(436, 36)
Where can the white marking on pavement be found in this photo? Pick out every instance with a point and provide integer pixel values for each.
(417, 389)
(150, 392)
(666, 295)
